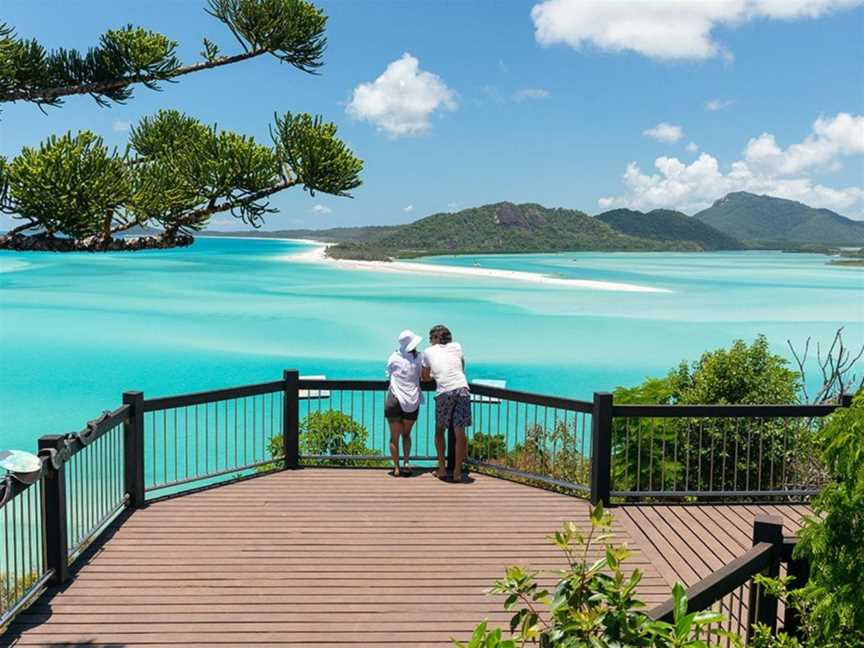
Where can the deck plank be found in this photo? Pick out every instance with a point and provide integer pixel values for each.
(351, 557)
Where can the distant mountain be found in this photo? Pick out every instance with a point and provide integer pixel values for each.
(765, 221)
(333, 235)
(668, 225)
(503, 228)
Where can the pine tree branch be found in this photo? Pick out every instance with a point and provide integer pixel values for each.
(47, 95)
(227, 205)
(19, 229)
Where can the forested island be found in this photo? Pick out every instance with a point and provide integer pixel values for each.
(739, 221)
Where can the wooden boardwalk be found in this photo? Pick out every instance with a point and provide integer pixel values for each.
(344, 558)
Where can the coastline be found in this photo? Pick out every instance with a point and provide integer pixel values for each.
(316, 254)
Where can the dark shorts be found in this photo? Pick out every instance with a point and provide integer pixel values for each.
(453, 408)
(393, 410)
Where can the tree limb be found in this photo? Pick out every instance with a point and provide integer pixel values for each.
(46, 95)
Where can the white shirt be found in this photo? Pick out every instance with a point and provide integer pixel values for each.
(445, 363)
(404, 370)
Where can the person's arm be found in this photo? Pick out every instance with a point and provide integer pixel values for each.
(426, 372)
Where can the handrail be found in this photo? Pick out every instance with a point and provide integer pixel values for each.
(198, 398)
(479, 389)
(532, 398)
(720, 411)
(720, 583)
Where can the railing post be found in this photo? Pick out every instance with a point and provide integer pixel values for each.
(762, 607)
(291, 418)
(133, 449)
(846, 400)
(799, 570)
(54, 510)
(601, 448)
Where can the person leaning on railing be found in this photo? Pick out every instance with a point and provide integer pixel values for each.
(445, 363)
(402, 404)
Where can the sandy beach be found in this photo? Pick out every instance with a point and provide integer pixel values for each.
(316, 254)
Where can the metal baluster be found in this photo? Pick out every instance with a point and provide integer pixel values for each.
(215, 436)
(687, 460)
(725, 454)
(747, 472)
(176, 457)
(699, 456)
(663, 459)
(759, 469)
(197, 445)
(186, 439)
(226, 446)
(651, 456)
(206, 438)
(153, 432)
(165, 445)
(15, 525)
(639, 454)
(6, 571)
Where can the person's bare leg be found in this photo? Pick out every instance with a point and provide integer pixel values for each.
(461, 451)
(406, 444)
(439, 448)
(395, 432)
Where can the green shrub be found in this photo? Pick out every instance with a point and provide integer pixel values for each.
(547, 451)
(715, 453)
(327, 433)
(593, 605)
(831, 605)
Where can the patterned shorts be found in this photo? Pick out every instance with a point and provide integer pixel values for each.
(453, 408)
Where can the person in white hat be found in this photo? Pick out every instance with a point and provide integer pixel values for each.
(402, 404)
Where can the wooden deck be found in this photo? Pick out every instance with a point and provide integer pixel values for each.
(347, 558)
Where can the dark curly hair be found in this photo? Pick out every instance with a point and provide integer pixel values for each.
(440, 333)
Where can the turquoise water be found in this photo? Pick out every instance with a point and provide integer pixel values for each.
(79, 329)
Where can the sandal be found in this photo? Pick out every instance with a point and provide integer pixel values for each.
(406, 470)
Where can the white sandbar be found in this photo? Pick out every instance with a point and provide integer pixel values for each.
(317, 255)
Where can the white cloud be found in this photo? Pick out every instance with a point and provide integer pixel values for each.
(766, 168)
(321, 210)
(120, 126)
(452, 206)
(664, 29)
(401, 100)
(530, 93)
(713, 105)
(692, 147)
(408, 208)
(663, 132)
(831, 138)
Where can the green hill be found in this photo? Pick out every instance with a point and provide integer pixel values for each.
(501, 228)
(765, 221)
(668, 225)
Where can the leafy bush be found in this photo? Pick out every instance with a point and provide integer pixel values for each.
(831, 605)
(593, 604)
(715, 454)
(549, 451)
(327, 433)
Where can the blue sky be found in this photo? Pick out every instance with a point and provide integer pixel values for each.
(585, 105)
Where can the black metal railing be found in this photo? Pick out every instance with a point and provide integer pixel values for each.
(732, 591)
(708, 451)
(163, 446)
(204, 436)
(22, 557)
(49, 517)
(531, 437)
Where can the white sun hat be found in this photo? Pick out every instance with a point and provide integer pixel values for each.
(408, 340)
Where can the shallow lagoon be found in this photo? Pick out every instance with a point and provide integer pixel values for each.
(78, 329)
